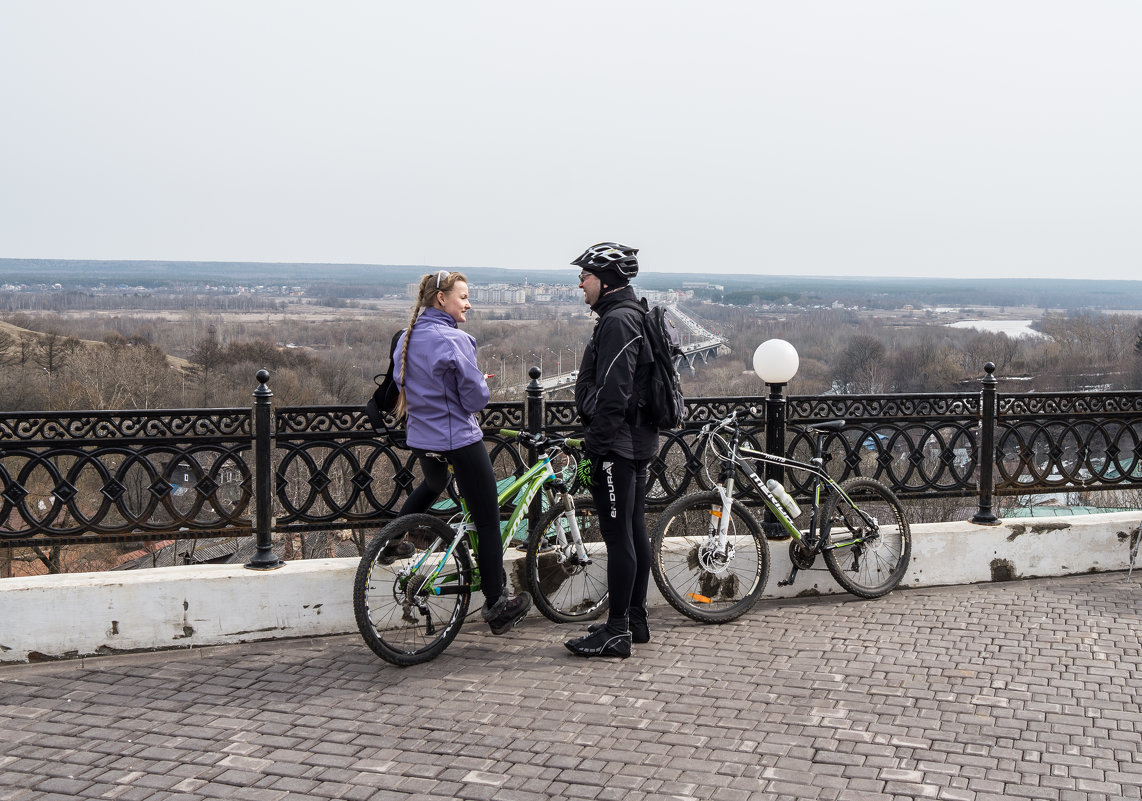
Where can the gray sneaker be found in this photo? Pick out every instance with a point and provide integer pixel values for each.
(506, 612)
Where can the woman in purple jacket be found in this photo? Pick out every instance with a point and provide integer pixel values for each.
(441, 391)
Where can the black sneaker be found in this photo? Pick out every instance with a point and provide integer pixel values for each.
(601, 643)
(400, 549)
(502, 617)
(639, 628)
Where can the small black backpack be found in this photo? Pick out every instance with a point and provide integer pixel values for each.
(663, 401)
(386, 394)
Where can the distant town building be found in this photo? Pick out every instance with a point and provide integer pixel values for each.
(702, 285)
(514, 294)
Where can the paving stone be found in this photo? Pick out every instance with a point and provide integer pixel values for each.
(1022, 689)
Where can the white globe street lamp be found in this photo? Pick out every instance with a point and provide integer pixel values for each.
(775, 361)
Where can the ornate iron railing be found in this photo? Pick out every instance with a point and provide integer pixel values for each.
(1060, 441)
(106, 476)
(76, 477)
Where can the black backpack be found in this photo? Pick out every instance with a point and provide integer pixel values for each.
(386, 394)
(664, 404)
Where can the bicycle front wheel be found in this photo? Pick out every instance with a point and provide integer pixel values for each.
(409, 610)
(702, 578)
(868, 557)
(566, 585)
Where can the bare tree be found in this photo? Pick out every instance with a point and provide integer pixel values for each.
(101, 380)
(343, 380)
(925, 367)
(9, 349)
(120, 374)
(206, 358)
(154, 378)
(52, 353)
(861, 366)
(51, 557)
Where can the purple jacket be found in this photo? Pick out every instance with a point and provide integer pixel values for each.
(444, 388)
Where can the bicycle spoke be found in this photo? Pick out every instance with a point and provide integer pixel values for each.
(870, 558)
(565, 587)
(409, 610)
(700, 576)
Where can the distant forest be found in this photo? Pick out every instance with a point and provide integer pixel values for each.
(349, 281)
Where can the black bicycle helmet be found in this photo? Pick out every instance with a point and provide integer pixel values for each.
(609, 256)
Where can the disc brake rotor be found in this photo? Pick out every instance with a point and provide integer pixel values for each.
(714, 561)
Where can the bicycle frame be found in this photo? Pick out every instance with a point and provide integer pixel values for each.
(526, 487)
(815, 467)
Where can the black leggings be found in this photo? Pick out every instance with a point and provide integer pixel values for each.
(477, 482)
(620, 497)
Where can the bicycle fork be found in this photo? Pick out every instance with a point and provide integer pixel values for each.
(719, 533)
(561, 541)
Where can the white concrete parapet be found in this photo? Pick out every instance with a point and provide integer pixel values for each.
(82, 614)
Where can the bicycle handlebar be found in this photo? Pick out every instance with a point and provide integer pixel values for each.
(732, 418)
(728, 420)
(541, 440)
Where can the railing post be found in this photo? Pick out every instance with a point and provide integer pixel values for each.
(533, 411)
(264, 558)
(984, 516)
(775, 444)
(534, 408)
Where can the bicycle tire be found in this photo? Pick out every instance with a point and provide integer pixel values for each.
(866, 569)
(563, 588)
(691, 577)
(408, 628)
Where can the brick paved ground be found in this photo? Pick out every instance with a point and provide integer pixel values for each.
(1017, 690)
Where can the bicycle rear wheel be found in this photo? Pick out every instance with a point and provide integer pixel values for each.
(866, 559)
(565, 587)
(699, 579)
(405, 616)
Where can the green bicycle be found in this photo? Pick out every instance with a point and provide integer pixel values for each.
(410, 610)
(711, 557)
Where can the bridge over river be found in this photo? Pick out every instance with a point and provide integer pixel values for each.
(698, 344)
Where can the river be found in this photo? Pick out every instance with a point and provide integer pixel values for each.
(1013, 328)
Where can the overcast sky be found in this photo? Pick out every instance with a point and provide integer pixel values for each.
(851, 137)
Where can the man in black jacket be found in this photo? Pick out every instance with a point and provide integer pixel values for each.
(620, 442)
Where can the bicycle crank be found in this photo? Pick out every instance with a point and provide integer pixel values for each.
(801, 557)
